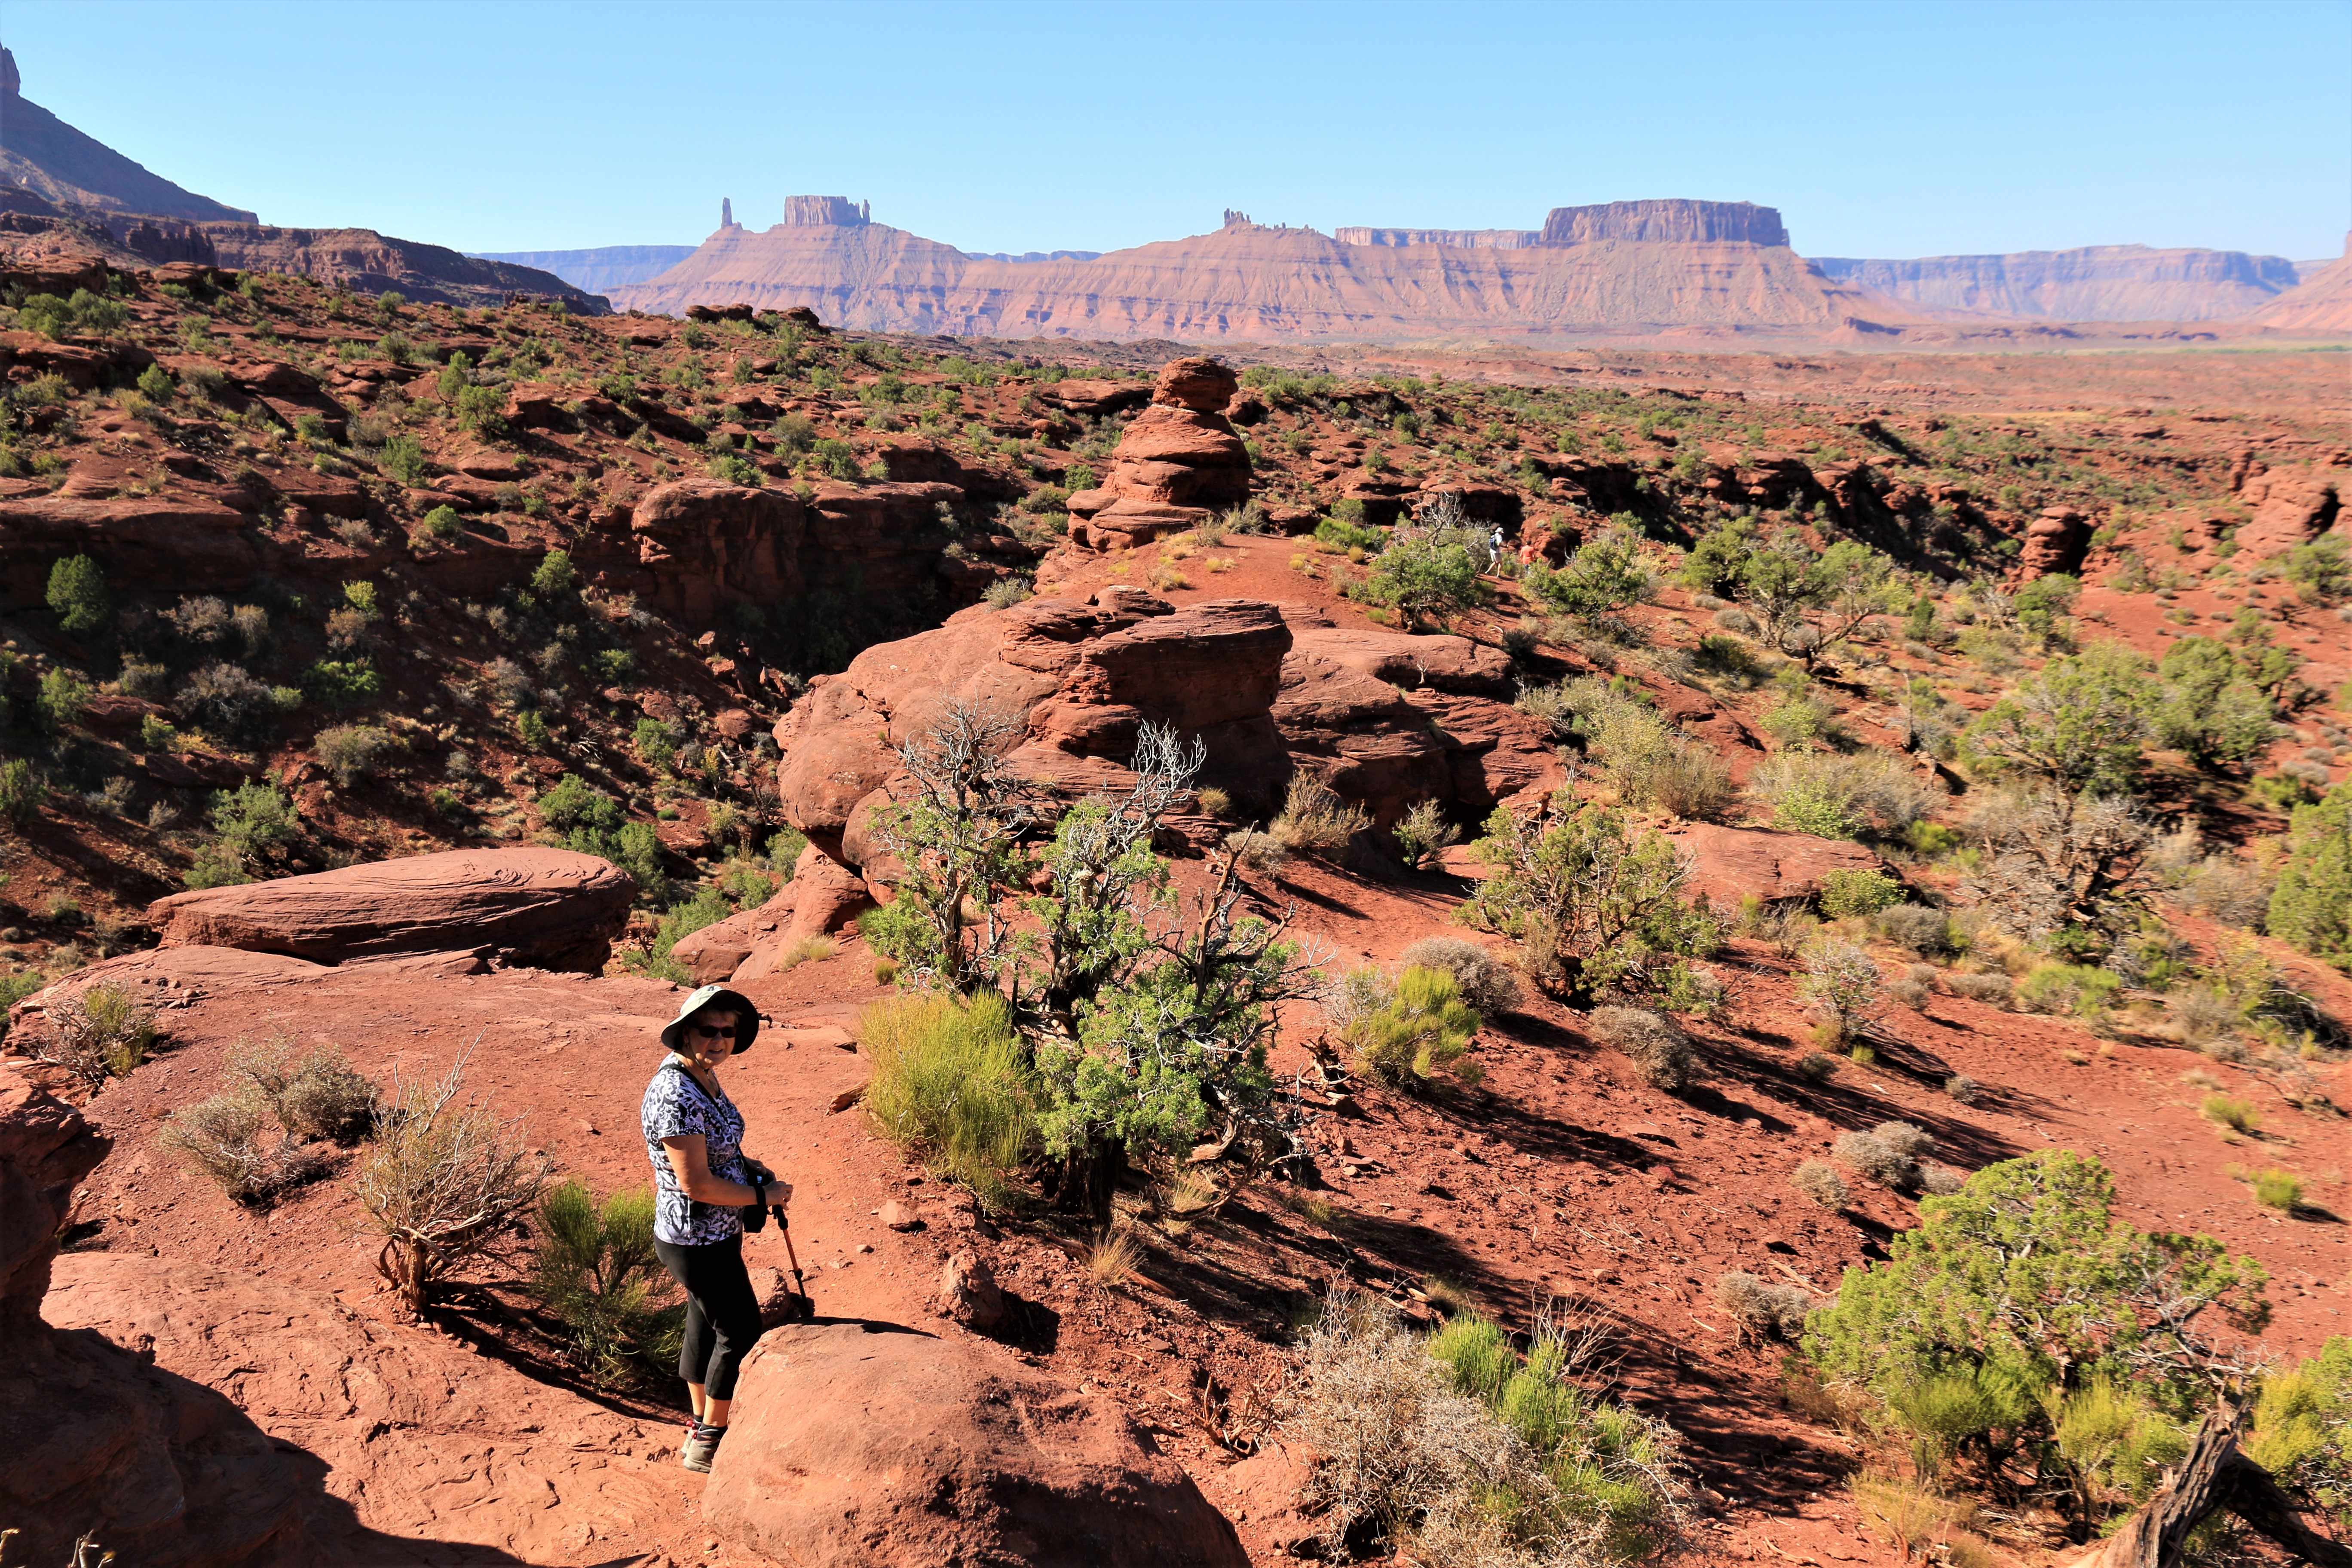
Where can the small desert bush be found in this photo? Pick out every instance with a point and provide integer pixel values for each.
(595, 1270)
(1355, 994)
(1840, 983)
(320, 1096)
(949, 1084)
(1831, 796)
(1423, 833)
(1851, 893)
(1213, 802)
(2227, 1110)
(1963, 1089)
(1114, 1256)
(1460, 1455)
(1007, 592)
(443, 1182)
(1314, 819)
(1684, 779)
(1993, 988)
(1261, 852)
(2069, 988)
(1917, 929)
(353, 752)
(224, 1138)
(2280, 1190)
(1424, 1030)
(1651, 1042)
(1488, 984)
(1819, 1180)
(1888, 1153)
(101, 1033)
(1762, 1309)
(2200, 1016)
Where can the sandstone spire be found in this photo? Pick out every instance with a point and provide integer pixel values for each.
(727, 212)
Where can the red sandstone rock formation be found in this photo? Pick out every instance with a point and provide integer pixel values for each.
(2292, 506)
(2055, 541)
(545, 907)
(822, 898)
(1730, 863)
(1178, 461)
(898, 1449)
(1728, 264)
(2321, 303)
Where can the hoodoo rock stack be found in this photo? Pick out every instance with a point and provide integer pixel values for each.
(1179, 461)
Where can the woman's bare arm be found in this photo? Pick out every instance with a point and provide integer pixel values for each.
(689, 1159)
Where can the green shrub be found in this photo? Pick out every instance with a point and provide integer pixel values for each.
(655, 744)
(251, 821)
(78, 596)
(2311, 905)
(949, 1085)
(351, 752)
(402, 456)
(835, 456)
(531, 731)
(1342, 535)
(61, 698)
(2069, 988)
(99, 1033)
(595, 1270)
(708, 907)
(1423, 833)
(1858, 893)
(2228, 1111)
(553, 577)
(343, 683)
(2281, 1190)
(481, 409)
(20, 792)
(1424, 1030)
(442, 523)
(1423, 579)
(2321, 570)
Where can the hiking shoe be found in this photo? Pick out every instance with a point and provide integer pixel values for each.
(700, 1447)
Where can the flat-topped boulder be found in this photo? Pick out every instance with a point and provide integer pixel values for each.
(899, 1450)
(1730, 863)
(548, 909)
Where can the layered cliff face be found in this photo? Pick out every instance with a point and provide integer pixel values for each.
(1463, 238)
(46, 155)
(2095, 283)
(367, 262)
(1629, 266)
(2322, 303)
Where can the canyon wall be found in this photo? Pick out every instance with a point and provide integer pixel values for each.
(50, 158)
(2095, 283)
(1627, 265)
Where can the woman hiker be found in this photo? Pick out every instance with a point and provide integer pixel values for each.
(694, 1135)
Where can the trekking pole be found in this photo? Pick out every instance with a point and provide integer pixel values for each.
(784, 1225)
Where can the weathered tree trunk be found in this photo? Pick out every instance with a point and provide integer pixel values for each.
(2215, 1475)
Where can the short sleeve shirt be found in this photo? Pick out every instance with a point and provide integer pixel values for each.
(676, 1107)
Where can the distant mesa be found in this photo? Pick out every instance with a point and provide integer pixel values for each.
(1462, 238)
(1665, 222)
(826, 212)
(2093, 283)
(2323, 303)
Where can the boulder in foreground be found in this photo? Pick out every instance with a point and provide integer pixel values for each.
(547, 909)
(897, 1449)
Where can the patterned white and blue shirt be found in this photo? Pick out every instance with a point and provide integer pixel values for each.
(675, 1106)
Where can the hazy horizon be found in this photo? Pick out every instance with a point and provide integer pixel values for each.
(1933, 129)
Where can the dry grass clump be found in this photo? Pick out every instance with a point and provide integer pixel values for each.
(1816, 1067)
(2200, 1016)
(949, 1085)
(1260, 852)
(1913, 1519)
(1315, 820)
(1113, 1257)
(1941, 1181)
(1486, 982)
(2280, 1190)
(2234, 1115)
(1652, 1043)
(315, 1098)
(1963, 1087)
(1819, 1180)
(808, 949)
(1422, 1030)
(1762, 1309)
(1359, 991)
(1914, 989)
(102, 1032)
(1213, 802)
(1888, 1153)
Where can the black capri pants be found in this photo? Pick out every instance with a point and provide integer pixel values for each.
(722, 1315)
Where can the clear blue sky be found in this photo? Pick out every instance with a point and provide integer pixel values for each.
(1889, 130)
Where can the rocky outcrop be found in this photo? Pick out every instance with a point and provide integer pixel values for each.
(1727, 864)
(1178, 461)
(367, 262)
(2322, 302)
(153, 544)
(1670, 221)
(895, 1449)
(2292, 506)
(548, 908)
(822, 898)
(2056, 540)
(1388, 720)
(98, 1441)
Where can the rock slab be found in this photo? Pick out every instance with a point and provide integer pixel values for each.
(547, 909)
(895, 1449)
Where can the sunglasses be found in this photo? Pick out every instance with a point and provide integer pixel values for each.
(711, 1032)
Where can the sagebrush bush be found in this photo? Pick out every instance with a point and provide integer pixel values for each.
(1762, 1309)
(595, 1270)
(1486, 983)
(1819, 1180)
(1992, 988)
(949, 1085)
(320, 1095)
(101, 1033)
(1424, 1030)
(1314, 819)
(224, 1138)
(1833, 795)
(1917, 929)
(1651, 1042)
(443, 1184)
(1888, 1153)
(2073, 988)
(353, 752)
(1851, 893)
